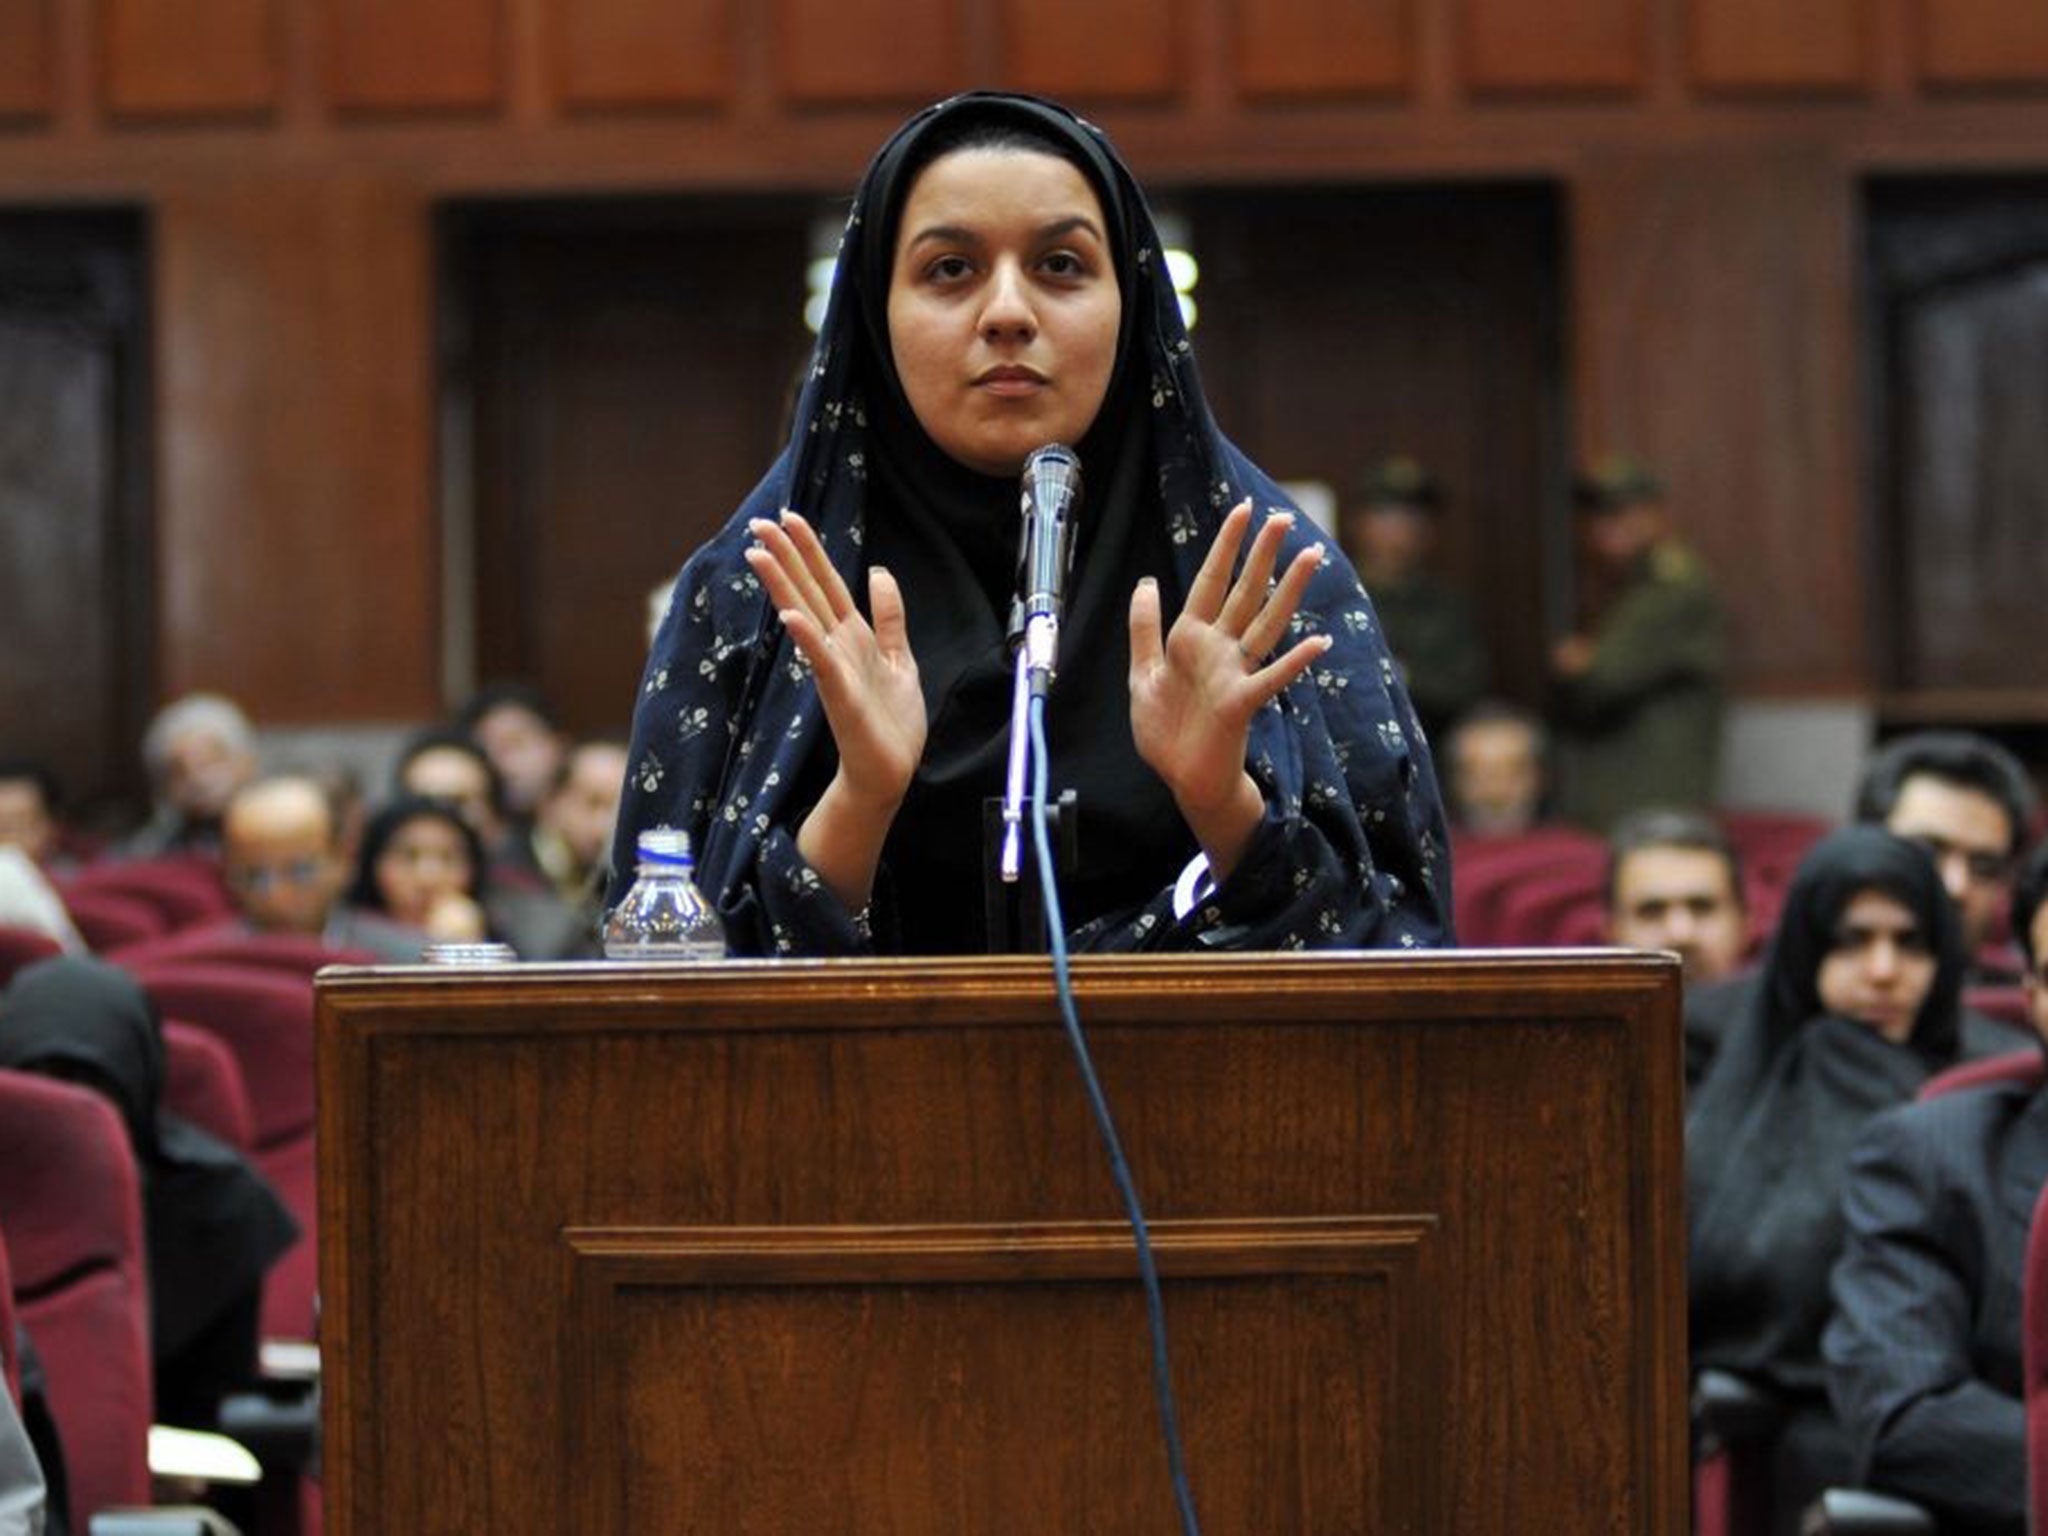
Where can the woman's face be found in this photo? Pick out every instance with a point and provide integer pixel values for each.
(423, 863)
(1879, 967)
(1003, 305)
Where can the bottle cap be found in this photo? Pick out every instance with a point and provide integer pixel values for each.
(664, 845)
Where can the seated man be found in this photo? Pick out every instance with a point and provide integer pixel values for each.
(283, 858)
(1496, 756)
(1967, 801)
(573, 840)
(28, 810)
(198, 751)
(1923, 1352)
(1674, 881)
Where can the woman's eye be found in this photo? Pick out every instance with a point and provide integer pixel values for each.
(1065, 264)
(947, 269)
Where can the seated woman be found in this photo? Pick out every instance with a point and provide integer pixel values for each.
(213, 1227)
(1857, 1004)
(421, 865)
(1924, 1352)
(825, 709)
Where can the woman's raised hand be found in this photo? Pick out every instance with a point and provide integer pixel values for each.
(867, 683)
(1194, 691)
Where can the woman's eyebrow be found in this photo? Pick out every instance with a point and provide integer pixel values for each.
(961, 234)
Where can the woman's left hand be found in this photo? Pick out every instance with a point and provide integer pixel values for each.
(1194, 691)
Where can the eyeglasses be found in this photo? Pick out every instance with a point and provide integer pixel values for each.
(258, 878)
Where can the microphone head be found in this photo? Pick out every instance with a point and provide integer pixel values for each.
(1052, 475)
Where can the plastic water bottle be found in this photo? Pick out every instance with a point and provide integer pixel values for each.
(663, 916)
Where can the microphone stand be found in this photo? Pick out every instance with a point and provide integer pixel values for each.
(1010, 897)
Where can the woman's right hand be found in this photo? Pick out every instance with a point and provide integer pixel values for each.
(867, 683)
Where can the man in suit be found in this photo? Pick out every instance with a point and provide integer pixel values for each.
(1924, 1352)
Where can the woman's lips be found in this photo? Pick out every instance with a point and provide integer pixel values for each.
(1010, 381)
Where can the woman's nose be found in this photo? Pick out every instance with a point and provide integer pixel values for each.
(1884, 960)
(1007, 311)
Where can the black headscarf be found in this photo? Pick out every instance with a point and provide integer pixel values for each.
(1767, 1141)
(213, 1226)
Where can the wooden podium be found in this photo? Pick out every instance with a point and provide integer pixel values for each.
(831, 1247)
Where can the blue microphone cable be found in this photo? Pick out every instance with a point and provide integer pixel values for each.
(1120, 1171)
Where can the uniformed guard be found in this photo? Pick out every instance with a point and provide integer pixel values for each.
(1390, 532)
(1638, 687)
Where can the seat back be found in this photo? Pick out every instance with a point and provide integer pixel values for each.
(265, 1018)
(23, 946)
(203, 1085)
(2008, 1005)
(108, 920)
(186, 892)
(231, 944)
(71, 1206)
(2028, 1067)
(1489, 869)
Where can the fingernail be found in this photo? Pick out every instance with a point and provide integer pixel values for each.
(1280, 515)
(879, 570)
(1149, 581)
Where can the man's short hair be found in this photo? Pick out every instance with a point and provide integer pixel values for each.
(1667, 827)
(497, 695)
(264, 783)
(1501, 712)
(14, 770)
(1961, 758)
(213, 713)
(449, 738)
(2028, 892)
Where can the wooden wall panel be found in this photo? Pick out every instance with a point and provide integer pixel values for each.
(1765, 45)
(883, 50)
(1325, 48)
(1123, 49)
(295, 422)
(416, 55)
(641, 53)
(25, 61)
(1564, 47)
(203, 58)
(1984, 42)
(1715, 335)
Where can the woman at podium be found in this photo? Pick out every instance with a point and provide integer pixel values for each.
(826, 707)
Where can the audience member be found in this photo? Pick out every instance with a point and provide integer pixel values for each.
(213, 1227)
(1674, 881)
(1638, 688)
(1858, 1004)
(523, 740)
(445, 765)
(573, 840)
(23, 1504)
(198, 751)
(1924, 1350)
(28, 900)
(30, 799)
(1967, 801)
(422, 865)
(1390, 533)
(284, 864)
(1497, 754)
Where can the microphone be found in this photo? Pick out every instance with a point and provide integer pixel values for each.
(1051, 495)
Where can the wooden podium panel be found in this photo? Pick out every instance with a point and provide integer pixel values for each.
(822, 1247)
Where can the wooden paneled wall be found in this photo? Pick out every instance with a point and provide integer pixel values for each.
(290, 154)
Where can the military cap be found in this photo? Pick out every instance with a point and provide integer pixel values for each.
(1400, 481)
(1614, 484)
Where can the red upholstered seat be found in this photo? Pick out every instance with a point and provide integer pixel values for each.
(109, 920)
(1536, 912)
(229, 943)
(203, 1085)
(1487, 870)
(2008, 1005)
(24, 946)
(266, 1019)
(2034, 1373)
(185, 891)
(71, 1206)
(2026, 1066)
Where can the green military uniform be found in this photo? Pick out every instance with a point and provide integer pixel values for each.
(1431, 630)
(1642, 725)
